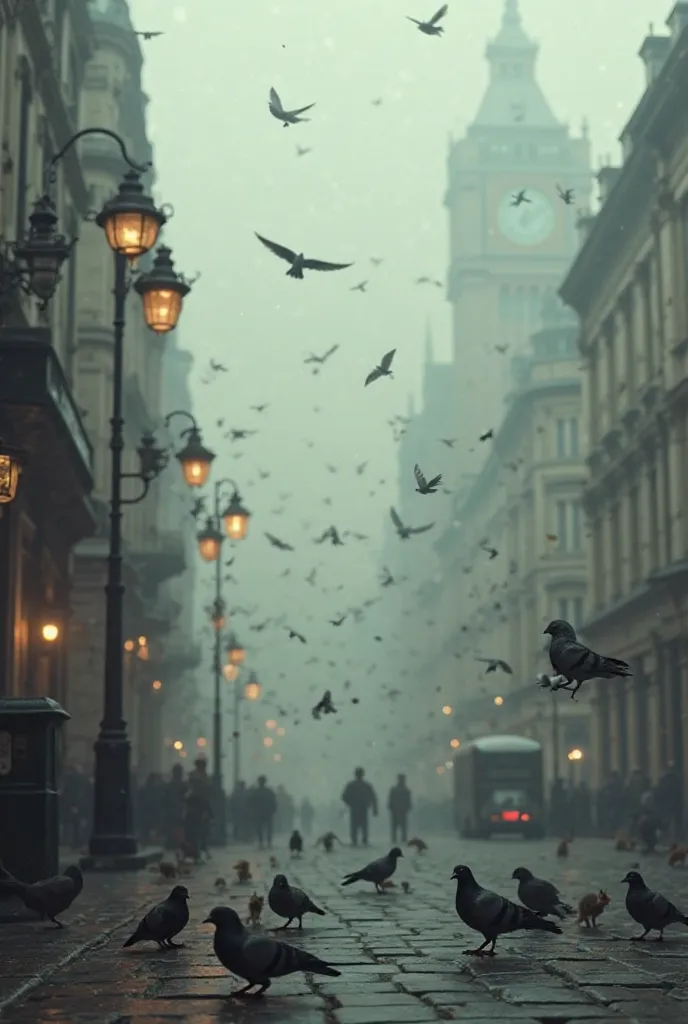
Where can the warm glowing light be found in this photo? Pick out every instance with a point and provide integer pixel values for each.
(277, 757)
(440, 769)
(252, 691)
(281, 731)
(201, 742)
(455, 743)
(50, 632)
(9, 475)
(143, 640)
(161, 309)
(157, 685)
(268, 741)
(271, 724)
(178, 745)
(129, 645)
(499, 701)
(575, 755)
(447, 709)
(230, 672)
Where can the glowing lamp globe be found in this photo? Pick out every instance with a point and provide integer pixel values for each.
(130, 220)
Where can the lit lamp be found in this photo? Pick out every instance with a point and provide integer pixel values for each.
(130, 219)
(162, 290)
(195, 459)
(230, 672)
(235, 652)
(575, 755)
(236, 518)
(447, 709)
(44, 251)
(252, 688)
(50, 632)
(209, 541)
(10, 468)
(499, 701)
(455, 743)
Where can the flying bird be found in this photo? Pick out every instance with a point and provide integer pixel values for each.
(287, 117)
(431, 28)
(319, 360)
(337, 622)
(565, 194)
(576, 662)
(217, 367)
(383, 370)
(302, 150)
(449, 441)
(360, 287)
(277, 543)
(324, 706)
(496, 663)
(425, 486)
(519, 197)
(295, 635)
(487, 435)
(387, 579)
(149, 35)
(298, 261)
(239, 435)
(407, 531)
(376, 260)
(260, 408)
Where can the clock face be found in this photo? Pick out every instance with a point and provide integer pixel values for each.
(529, 223)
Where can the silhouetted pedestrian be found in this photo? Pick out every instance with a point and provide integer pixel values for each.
(359, 796)
(263, 807)
(399, 805)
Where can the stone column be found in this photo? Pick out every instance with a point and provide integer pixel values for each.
(678, 487)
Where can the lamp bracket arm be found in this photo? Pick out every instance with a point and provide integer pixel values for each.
(50, 171)
(145, 480)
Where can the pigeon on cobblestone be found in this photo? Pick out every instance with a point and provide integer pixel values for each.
(163, 921)
(378, 871)
(650, 909)
(258, 958)
(50, 896)
(491, 914)
(539, 895)
(576, 662)
(287, 901)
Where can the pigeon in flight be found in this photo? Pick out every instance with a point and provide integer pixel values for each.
(565, 194)
(258, 958)
(376, 260)
(163, 921)
(383, 370)
(287, 117)
(407, 531)
(519, 197)
(496, 663)
(539, 895)
(217, 367)
(449, 441)
(337, 622)
(277, 543)
(295, 635)
(149, 35)
(576, 662)
(426, 486)
(298, 261)
(302, 150)
(377, 872)
(492, 915)
(360, 287)
(431, 28)
(650, 909)
(320, 360)
(239, 435)
(487, 435)
(260, 408)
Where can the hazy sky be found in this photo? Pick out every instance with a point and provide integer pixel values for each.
(372, 186)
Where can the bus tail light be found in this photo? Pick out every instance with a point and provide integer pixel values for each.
(525, 817)
(511, 815)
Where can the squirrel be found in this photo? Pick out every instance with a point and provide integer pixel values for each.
(591, 906)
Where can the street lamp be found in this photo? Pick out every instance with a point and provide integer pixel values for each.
(34, 266)
(194, 458)
(252, 688)
(235, 652)
(209, 541)
(50, 632)
(236, 518)
(162, 291)
(11, 460)
(230, 672)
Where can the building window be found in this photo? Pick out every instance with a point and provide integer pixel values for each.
(563, 609)
(571, 610)
(25, 101)
(562, 524)
(576, 532)
(567, 438)
(569, 526)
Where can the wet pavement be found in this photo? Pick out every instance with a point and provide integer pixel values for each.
(400, 954)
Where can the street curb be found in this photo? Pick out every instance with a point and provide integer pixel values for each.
(28, 986)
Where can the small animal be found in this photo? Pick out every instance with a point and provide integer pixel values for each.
(578, 663)
(165, 868)
(273, 862)
(255, 908)
(677, 855)
(163, 921)
(419, 844)
(220, 884)
(243, 871)
(258, 959)
(327, 841)
(563, 848)
(378, 871)
(622, 843)
(296, 843)
(50, 896)
(406, 887)
(591, 906)
(290, 902)
(651, 910)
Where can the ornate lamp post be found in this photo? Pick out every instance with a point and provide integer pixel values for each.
(194, 458)
(235, 519)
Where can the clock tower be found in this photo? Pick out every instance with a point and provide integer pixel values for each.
(512, 235)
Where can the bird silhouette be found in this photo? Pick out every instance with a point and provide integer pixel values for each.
(383, 370)
(407, 531)
(149, 35)
(287, 117)
(277, 543)
(426, 486)
(519, 197)
(565, 194)
(298, 261)
(431, 28)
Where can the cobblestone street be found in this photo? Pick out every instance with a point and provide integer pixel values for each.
(400, 954)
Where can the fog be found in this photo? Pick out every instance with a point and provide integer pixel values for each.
(371, 186)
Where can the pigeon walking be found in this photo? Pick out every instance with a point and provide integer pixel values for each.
(378, 871)
(163, 921)
(50, 896)
(650, 909)
(539, 895)
(290, 902)
(287, 117)
(576, 662)
(298, 261)
(258, 958)
(295, 843)
(492, 915)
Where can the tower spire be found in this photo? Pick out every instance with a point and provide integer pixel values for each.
(512, 15)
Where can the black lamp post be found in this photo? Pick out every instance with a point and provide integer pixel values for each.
(210, 541)
(236, 654)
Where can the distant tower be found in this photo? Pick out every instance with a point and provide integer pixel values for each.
(506, 258)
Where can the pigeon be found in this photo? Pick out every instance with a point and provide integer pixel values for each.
(50, 896)
(576, 662)
(277, 543)
(519, 197)
(378, 871)
(494, 663)
(298, 261)
(487, 435)
(258, 958)
(405, 532)
(287, 117)
(287, 901)
(360, 287)
(295, 842)
(539, 895)
(295, 635)
(565, 194)
(383, 370)
(425, 486)
(321, 359)
(149, 35)
(650, 909)
(491, 914)
(163, 921)
(431, 28)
